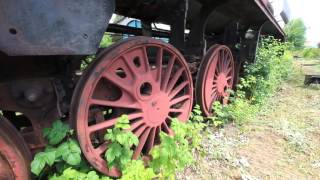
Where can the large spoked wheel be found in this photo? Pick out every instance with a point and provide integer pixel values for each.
(14, 153)
(144, 78)
(215, 78)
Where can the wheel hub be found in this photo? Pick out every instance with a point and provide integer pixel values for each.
(222, 83)
(157, 110)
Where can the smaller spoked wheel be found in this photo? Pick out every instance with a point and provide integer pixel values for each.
(14, 153)
(215, 78)
(146, 79)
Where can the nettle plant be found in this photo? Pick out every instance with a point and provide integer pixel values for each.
(62, 158)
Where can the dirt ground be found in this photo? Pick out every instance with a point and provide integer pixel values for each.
(282, 142)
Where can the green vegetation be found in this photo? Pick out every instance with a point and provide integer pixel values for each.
(105, 42)
(260, 81)
(119, 152)
(295, 31)
(61, 152)
(280, 140)
(62, 157)
(311, 53)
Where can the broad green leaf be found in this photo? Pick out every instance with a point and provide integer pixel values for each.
(92, 175)
(37, 166)
(57, 133)
(72, 158)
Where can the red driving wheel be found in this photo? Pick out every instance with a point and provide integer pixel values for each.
(146, 79)
(14, 153)
(215, 77)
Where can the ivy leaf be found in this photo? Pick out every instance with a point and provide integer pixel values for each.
(57, 133)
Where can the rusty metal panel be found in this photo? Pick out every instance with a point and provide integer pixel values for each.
(47, 27)
(275, 26)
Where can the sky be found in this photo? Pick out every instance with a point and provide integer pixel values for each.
(309, 12)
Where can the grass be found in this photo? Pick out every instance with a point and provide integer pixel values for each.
(280, 142)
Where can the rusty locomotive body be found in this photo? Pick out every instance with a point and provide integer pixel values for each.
(43, 43)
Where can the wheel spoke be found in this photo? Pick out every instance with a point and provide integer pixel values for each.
(110, 122)
(179, 99)
(121, 83)
(99, 118)
(174, 80)
(214, 85)
(129, 63)
(168, 72)
(176, 110)
(142, 142)
(223, 54)
(216, 73)
(229, 70)
(214, 92)
(118, 103)
(210, 102)
(220, 61)
(151, 139)
(140, 130)
(166, 128)
(228, 63)
(159, 64)
(102, 148)
(225, 61)
(178, 89)
(145, 59)
(136, 124)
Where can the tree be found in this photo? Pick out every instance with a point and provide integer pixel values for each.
(296, 31)
(318, 45)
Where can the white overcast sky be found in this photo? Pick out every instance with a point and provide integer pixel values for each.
(309, 12)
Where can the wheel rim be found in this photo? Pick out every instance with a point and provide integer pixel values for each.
(14, 154)
(145, 78)
(215, 78)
